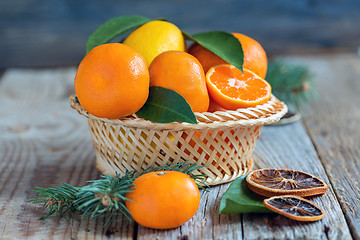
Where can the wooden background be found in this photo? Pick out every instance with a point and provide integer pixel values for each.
(44, 142)
(38, 33)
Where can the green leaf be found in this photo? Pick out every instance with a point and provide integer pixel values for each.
(114, 28)
(240, 199)
(223, 44)
(165, 106)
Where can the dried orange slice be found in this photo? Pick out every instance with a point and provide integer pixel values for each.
(275, 182)
(233, 89)
(295, 207)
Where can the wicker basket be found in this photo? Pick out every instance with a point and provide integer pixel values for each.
(223, 141)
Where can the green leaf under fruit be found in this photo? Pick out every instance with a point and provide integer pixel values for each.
(223, 44)
(238, 198)
(165, 106)
(114, 28)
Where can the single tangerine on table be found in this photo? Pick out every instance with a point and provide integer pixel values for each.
(255, 58)
(163, 199)
(112, 81)
(182, 73)
(233, 89)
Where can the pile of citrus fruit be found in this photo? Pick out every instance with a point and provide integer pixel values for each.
(113, 79)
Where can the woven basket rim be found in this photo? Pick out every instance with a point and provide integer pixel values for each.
(264, 114)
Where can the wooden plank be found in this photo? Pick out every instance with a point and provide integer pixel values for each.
(289, 146)
(52, 33)
(43, 142)
(206, 224)
(278, 147)
(333, 124)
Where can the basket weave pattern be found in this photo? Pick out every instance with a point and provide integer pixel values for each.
(222, 141)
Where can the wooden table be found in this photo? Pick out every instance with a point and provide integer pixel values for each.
(43, 142)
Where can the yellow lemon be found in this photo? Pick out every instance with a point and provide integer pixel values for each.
(156, 37)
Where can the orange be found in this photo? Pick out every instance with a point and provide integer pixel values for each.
(233, 89)
(275, 182)
(254, 55)
(163, 199)
(295, 207)
(112, 81)
(182, 73)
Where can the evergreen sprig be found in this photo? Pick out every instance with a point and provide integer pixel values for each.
(106, 195)
(103, 196)
(292, 84)
(56, 199)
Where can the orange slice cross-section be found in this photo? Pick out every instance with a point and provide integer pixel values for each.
(233, 89)
(294, 207)
(275, 182)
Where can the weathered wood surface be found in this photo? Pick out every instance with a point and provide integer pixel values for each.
(36, 33)
(333, 124)
(43, 142)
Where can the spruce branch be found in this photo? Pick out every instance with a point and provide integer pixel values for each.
(56, 199)
(292, 84)
(105, 195)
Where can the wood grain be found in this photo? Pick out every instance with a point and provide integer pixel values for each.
(43, 142)
(290, 147)
(333, 124)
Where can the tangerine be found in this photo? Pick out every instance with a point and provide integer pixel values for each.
(182, 73)
(255, 58)
(163, 199)
(233, 89)
(112, 81)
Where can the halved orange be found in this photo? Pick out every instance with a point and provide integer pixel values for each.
(294, 207)
(275, 182)
(233, 89)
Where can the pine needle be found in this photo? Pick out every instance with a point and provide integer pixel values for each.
(292, 84)
(56, 199)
